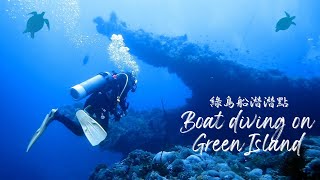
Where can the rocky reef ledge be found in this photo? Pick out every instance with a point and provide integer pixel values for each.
(183, 163)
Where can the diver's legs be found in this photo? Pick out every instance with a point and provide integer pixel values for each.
(55, 114)
(73, 126)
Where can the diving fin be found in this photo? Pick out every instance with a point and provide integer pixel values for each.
(91, 128)
(49, 117)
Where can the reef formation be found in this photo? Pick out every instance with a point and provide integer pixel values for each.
(183, 163)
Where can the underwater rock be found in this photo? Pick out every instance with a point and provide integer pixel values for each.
(98, 172)
(255, 174)
(137, 164)
(175, 165)
(181, 163)
(193, 159)
(230, 175)
(266, 177)
(260, 159)
(155, 176)
(211, 173)
(312, 169)
(311, 154)
(183, 152)
(223, 167)
(164, 157)
(312, 157)
(306, 166)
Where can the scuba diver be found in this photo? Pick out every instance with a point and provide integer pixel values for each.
(108, 93)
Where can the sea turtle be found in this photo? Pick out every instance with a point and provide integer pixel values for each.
(35, 23)
(285, 23)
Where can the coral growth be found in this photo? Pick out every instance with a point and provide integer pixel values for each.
(312, 158)
(182, 163)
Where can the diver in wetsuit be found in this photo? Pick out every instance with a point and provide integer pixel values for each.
(108, 97)
(109, 100)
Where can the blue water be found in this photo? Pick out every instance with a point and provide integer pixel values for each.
(36, 74)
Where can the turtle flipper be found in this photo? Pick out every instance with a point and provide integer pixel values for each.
(47, 23)
(287, 14)
(33, 13)
(293, 23)
(32, 35)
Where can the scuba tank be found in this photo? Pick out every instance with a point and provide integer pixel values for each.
(89, 86)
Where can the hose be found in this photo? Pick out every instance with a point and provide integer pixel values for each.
(124, 87)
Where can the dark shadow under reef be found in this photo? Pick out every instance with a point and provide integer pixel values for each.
(202, 70)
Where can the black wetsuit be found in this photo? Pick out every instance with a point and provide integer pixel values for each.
(103, 103)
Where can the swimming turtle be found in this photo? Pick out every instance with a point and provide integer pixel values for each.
(35, 23)
(285, 23)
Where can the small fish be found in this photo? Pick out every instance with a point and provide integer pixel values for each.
(310, 39)
(85, 60)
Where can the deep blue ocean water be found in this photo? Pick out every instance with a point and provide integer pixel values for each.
(36, 74)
